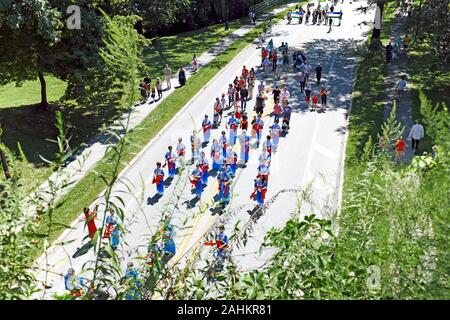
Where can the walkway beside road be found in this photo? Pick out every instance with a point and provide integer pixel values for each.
(395, 69)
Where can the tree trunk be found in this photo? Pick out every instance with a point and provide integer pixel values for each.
(44, 103)
(376, 33)
(5, 164)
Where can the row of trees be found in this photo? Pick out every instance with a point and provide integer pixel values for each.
(431, 22)
(36, 40)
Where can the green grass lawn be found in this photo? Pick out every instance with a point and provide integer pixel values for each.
(71, 205)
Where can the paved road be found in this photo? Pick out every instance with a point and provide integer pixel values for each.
(311, 154)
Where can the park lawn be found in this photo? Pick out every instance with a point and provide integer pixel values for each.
(70, 206)
(22, 123)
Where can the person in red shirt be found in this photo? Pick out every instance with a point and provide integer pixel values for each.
(314, 100)
(90, 217)
(244, 73)
(264, 54)
(399, 149)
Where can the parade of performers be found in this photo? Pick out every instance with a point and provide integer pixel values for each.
(223, 154)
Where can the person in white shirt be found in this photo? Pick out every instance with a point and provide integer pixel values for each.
(285, 96)
(401, 85)
(416, 133)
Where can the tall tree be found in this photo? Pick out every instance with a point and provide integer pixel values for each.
(30, 29)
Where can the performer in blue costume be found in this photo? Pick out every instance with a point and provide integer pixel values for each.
(75, 284)
(244, 140)
(132, 276)
(158, 178)
(222, 243)
(265, 157)
(206, 125)
(233, 125)
(232, 160)
(171, 159)
(112, 224)
(259, 193)
(204, 166)
(196, 180)
(223, 143)
(216, 155)
(224, 178)
(263, 171)
(275, 131)
(258, 125)
(195, 145)
(169, 248)
(267, 145)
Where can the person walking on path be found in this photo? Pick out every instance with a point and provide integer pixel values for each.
(389, 49)
(330, 22)
(194, 63)
(318, 73)
(182, 76)
(159, 88)
(168, 76)
(400, 88)
(399, 149)
(415, 134)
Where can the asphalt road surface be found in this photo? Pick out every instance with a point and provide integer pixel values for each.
(310, 157)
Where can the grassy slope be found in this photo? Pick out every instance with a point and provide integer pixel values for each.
(71, 205)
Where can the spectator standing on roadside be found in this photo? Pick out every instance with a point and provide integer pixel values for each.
(401, 86)
(168, 76)
(416, 133)
(318, 73)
